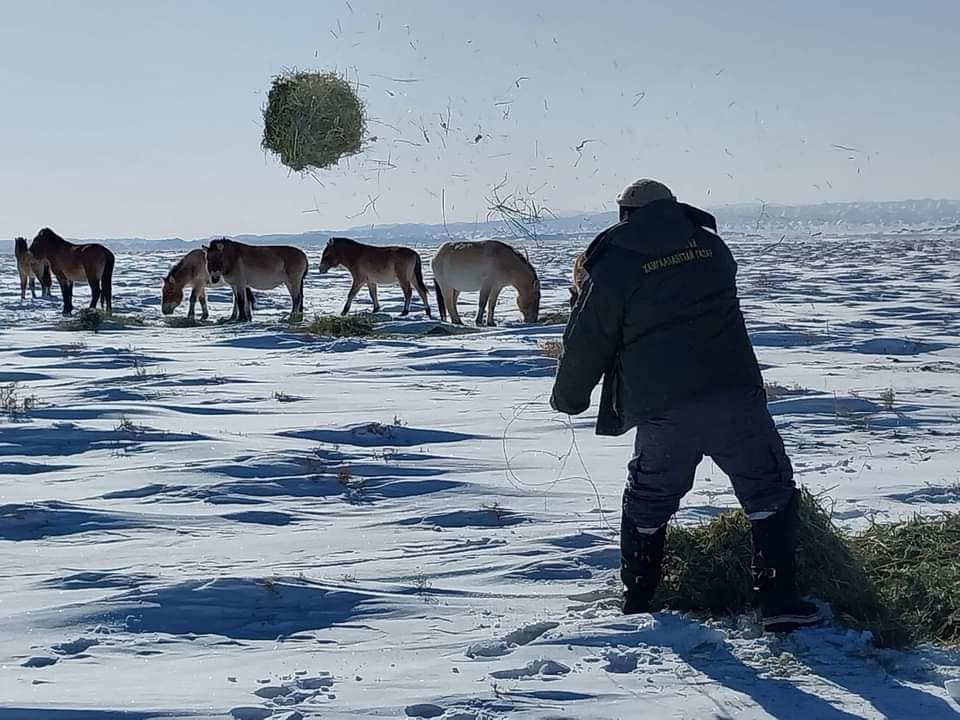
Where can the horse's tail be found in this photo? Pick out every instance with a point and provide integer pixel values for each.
(106, 284)
(303, 278)
(20, 247)
(441, 306)
(418, 274)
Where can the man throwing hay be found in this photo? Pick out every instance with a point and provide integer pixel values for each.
(659, 319)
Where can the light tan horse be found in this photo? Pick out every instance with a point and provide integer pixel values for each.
(192, 272)
(579, 278)
(30, 270)
(372, 265)
(487, 266)
(71, 263)
(262, 267)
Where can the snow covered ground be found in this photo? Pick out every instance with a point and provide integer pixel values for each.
(246, 522)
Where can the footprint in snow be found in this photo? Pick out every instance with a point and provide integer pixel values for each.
(522, 636)
(39, 661)
(423, 710)
(540, 667)
(250, 713)
(74, 647)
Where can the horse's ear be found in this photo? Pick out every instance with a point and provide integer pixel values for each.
(205, 248)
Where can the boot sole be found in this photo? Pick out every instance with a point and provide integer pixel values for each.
(787, 623)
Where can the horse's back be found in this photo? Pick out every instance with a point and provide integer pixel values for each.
(466, 265)
(267, 266)
(94, 254)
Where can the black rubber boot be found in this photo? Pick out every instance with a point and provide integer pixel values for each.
(641, 559)
(775, 571)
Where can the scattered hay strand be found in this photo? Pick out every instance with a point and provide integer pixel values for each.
(312, 120)
(900, 581)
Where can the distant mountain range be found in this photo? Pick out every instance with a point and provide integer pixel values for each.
(906, 216)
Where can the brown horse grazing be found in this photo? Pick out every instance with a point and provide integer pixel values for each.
(579, 278)
(31, 270)
(263, 267)
(371, 265)
(71, 263)
(192, 271)
(487, 266)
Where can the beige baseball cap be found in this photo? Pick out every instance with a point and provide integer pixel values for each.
(643, 192)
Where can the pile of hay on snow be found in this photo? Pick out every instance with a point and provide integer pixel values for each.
(312, 120)
(901, 580)
(340, 326)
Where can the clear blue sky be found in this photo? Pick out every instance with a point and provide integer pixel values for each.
(143, 118)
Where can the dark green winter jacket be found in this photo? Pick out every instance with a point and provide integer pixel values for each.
(658, 318)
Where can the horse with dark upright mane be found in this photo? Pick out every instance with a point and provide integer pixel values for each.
(371, 265)
(262, 267)
(30, 270)
(72, 262)
(191, 271)
(487, 266)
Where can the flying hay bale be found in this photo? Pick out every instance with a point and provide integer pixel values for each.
(900, 581)
(312, 120)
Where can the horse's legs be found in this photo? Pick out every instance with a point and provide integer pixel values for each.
(243, 307)
(407, 296)
(66, 290)
(492, 304)
(23, 288)
(202, 296)
(450, 300)
(194, 294)
(296, 299)
(354, 289)
(423, 296)
(484, 297)
(94, 282)
(372, 288)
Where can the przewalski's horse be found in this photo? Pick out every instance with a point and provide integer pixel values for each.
(72, 263)
(487, 266)
(262, 267)
(192, 272)
(31, 270)
(371, 265)
(579, 278)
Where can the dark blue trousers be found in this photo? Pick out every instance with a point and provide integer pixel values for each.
(734, 428)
